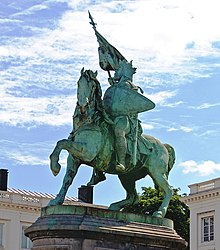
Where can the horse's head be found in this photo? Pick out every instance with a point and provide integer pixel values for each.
(88, 88)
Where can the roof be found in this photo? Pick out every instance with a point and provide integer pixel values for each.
(29, 199)
(36, 194)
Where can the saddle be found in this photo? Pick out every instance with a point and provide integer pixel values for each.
(144, 147)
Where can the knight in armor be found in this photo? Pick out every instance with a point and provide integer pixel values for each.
(123, 102)
(122, 78)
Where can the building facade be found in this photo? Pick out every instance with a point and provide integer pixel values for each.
(204, 204)
(18, 210)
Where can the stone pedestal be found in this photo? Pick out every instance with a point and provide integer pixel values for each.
(89, 227)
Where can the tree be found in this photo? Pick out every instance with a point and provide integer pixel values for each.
(178, 211)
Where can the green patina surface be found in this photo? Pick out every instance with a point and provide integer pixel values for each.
(107, 135)
(104, 213)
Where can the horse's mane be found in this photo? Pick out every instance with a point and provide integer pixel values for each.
(98, 91)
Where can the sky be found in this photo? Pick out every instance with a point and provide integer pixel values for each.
(175, 46)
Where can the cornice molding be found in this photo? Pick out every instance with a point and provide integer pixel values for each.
(20, 207)
(205, 195)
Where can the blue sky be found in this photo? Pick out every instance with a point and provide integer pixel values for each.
(175, 46)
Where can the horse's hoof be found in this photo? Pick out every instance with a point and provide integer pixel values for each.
(90, 183)
(52, 203)
(55, 202)
(114, 207)
(55, 168)
(158, 214)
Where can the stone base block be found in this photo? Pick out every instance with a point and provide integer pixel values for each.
(89, 227)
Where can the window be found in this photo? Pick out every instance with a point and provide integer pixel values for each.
(207, 229)
(25, 241)
(1, 234)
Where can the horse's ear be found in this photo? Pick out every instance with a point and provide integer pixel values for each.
(82, 70)
(95, 73)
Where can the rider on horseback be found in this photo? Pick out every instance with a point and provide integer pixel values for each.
(123, 78)
(91, 141)
(123, 102)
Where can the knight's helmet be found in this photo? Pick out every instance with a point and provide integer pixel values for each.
(126, 68)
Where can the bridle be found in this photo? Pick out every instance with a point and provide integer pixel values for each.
(90, 81)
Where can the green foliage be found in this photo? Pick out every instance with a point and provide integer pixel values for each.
(178, 211)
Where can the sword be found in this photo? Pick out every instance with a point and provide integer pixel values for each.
(134, 158)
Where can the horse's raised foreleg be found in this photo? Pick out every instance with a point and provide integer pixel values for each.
(128, 182)
(72, 168)
(75, 149)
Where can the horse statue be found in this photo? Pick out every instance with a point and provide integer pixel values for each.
(92, 143)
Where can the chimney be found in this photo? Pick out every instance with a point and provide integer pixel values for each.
(3, 179)
(85, 194)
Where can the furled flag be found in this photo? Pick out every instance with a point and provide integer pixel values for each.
(109, 56)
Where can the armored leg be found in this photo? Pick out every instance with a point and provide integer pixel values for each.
(121, 129)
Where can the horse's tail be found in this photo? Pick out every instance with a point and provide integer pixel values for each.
(172, 157)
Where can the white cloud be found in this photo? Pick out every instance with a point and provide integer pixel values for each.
(161, 97)
(152, 25)
(166, 36)
(186, 129)
(209, 133)
(203, 168)
(163, 38)
(55, 111)
(26, 159)
(181, 128)
(147, 126)
(29, 154)
(172, 129)
(174, 104)
(205, 106)
(7, 20)
(31, 10)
